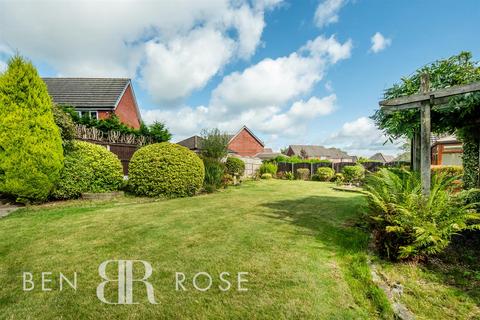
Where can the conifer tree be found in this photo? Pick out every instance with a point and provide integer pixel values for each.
(31, 155)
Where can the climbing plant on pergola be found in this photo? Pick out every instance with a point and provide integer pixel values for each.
(443, 97)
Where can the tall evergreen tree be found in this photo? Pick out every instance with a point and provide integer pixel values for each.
(31, 155)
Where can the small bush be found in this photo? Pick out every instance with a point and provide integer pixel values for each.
(88, 168)
(354, 174)
(406, 224)
(303, 174)
(165, 169)
(227, 180)
(289, 175)
(325, 173)
(266, 176)
(338, 178)
(235, 166)
(214, 174)
(268, 168)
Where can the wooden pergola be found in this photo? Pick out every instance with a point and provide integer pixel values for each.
(425, 101)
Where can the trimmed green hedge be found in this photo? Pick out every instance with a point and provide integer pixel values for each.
(302, 174)
(165, 169)
(88, 168)
(449, 171)
(235, 166)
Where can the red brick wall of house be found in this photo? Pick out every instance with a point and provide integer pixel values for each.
(126, 110)
(245, 145)
(102, 115)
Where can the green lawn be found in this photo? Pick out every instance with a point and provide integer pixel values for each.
(297, 240)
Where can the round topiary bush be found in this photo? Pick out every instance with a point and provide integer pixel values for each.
(235, 166)
(165, 169)
(354, 174)
(88, 168)
(325, 173)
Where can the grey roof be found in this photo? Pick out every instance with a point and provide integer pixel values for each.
(382, 157)
(192, 143)
(313, 151)
(87, 93)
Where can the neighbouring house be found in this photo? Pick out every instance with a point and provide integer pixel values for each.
(319, 152)
(244, 143)
(97, 97)
(382, 157)
(447, 151)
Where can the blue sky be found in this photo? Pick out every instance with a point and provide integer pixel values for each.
(296, 72)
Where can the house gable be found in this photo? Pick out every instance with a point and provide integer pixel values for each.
(245, 143)
(127, 109)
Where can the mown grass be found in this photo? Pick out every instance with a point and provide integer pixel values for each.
(294, 238)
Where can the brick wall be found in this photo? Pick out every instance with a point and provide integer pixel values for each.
(126, 110)
(244, 144)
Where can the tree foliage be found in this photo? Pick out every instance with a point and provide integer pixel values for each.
(31, 154)
(456, 70)
(214, 144)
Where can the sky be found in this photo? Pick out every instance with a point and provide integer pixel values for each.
(293, 71)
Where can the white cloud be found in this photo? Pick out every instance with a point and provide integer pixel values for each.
(327, 12)
(175, 69)
(106, 38)
(379, 42)
(274, 82)
(265, 96)
(362, 138)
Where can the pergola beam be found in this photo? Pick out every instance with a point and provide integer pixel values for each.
(414, 100)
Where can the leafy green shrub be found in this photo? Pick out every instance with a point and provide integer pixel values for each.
(214, 171)
(268, 168)
(471, 197)
(302, 174)
(354, 174)
(235, 166)
(406, 224)
(65, 124)
(227, 180)
(31, 154)
(449, 171)
(266, 176)
(88, 168)
(165, 169)
(325, 173)
(289, 175)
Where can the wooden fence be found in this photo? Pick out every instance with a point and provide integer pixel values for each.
(337, 166)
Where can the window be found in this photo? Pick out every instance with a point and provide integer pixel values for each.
(89, 114)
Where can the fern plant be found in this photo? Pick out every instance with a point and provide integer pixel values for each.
(408, 225)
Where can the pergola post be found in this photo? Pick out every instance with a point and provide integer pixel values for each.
(424, 101)
(425, 132)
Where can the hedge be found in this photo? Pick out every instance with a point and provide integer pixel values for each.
(449, 171)
(165, 169)
(303, 174)
(88, 168)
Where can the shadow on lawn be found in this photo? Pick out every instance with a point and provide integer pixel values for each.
(329, 218)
